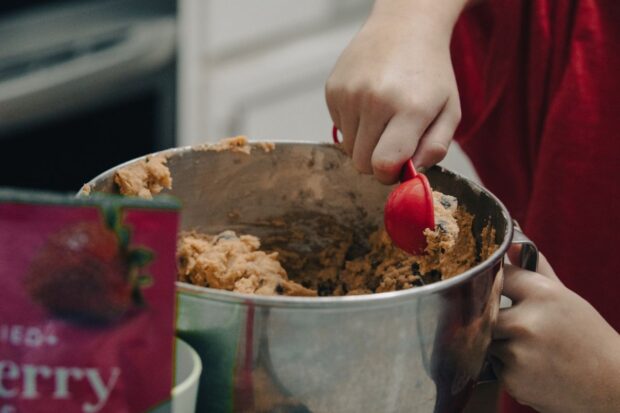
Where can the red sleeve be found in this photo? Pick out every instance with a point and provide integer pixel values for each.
(540, 91)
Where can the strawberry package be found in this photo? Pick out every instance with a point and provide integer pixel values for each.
(87, 303)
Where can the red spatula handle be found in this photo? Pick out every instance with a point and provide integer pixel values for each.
(408, 171)
(335, 135)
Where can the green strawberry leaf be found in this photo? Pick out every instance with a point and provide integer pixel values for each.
(144, 281)
(123, 236)
(139, 282)
(139, 257)
(137, 297)
(111, 214)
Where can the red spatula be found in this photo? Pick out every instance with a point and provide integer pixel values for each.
(408, 210)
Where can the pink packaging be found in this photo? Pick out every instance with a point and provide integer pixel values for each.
(86, 303)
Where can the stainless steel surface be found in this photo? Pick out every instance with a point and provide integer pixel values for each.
(528, 258)
(417, 350)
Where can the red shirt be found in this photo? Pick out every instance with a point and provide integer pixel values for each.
(540, 94)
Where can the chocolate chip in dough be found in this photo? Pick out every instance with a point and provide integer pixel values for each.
(442, 227)
(418, 282)
(415, 268)
(433, 275)
(324, 289)
(445, 201)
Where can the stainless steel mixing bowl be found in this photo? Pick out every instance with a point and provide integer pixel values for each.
(419, 350)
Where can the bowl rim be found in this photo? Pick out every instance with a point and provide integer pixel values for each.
(385, 298)
(193, 376)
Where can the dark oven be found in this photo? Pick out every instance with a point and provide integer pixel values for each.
(84, 85)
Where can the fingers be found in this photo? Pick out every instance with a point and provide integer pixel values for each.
(344, 113)
(519, 283)
(434, 145)
(504, 355)
(507, 325)
(382, 126)
(516, 282)
(371, 127)
(348, 128)
(405, 134)
(503, 351)
(544, 268)
(397, 145)
(330, 99)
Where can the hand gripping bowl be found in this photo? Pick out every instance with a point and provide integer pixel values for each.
(419, 350)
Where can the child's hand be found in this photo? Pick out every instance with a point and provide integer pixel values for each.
(556, 352)
(393, 93)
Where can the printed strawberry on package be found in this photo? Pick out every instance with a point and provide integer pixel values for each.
(87, 304)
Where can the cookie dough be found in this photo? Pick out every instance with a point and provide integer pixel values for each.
(235, 263)
(347, 264)
(238, 143)
(86, 189)
(316, 255)
(144, 178)
(150, 176)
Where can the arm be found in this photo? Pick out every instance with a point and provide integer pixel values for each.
(392, 93)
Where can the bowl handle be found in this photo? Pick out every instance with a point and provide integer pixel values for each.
(528, 260)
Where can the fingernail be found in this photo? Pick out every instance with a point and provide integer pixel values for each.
(417, 166)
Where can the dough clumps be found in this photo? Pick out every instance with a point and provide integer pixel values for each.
(150, 176)
(235, 263)
(344, 263)
(346, 266)
(144, 178)
(239, 144)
